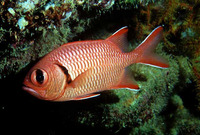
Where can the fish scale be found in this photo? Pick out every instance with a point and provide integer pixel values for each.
(105, 80)
(96, 54)
(90, 58)
(80, 70)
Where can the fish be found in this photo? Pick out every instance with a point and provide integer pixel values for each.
(83, 69)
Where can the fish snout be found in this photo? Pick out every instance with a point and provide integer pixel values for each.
(32, 92)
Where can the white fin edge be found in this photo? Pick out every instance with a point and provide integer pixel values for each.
(119, 30)
(135, 90)
(86, 97)
(148, 36)
(153, 65)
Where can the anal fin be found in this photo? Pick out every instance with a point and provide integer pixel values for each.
(127, 81)
(86, 96)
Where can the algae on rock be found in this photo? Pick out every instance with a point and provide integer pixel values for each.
(52, 23)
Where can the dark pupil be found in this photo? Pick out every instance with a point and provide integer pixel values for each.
(39, 76)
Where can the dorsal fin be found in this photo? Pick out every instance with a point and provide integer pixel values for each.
(119, 38)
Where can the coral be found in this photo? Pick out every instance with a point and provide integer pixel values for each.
(22, 23)
(181, 120)
(196, 71)
(36, 27)
(12, 11)
(177, 120)
(135, 109)
(143, 110)
(28, 5)
(180, 20)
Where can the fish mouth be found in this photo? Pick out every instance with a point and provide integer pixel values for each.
(35, 93)
(32, 92)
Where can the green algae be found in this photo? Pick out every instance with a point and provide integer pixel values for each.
(142, 111)
(44, 30)
(56, 21)
(158, 108)
(136, 108)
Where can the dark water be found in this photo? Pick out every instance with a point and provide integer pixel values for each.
(169, 101)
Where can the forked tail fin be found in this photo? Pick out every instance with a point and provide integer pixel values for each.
(145, 51)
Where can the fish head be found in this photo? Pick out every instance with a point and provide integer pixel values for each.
(45, 81)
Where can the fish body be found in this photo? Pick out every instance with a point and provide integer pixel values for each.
(82, 69)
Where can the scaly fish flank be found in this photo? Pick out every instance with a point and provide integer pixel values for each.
(82, 69)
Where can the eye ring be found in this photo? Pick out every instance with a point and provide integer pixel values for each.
(39, 77)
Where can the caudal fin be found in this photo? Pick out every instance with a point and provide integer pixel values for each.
(145, 51)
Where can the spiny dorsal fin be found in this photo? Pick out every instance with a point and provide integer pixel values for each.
(119, 38)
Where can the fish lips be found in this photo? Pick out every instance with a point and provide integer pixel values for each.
(40, 94)
(32, 92)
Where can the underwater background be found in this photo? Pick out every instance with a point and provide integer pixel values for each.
(169, 99)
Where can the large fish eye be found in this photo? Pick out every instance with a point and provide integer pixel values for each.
(39, 77)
